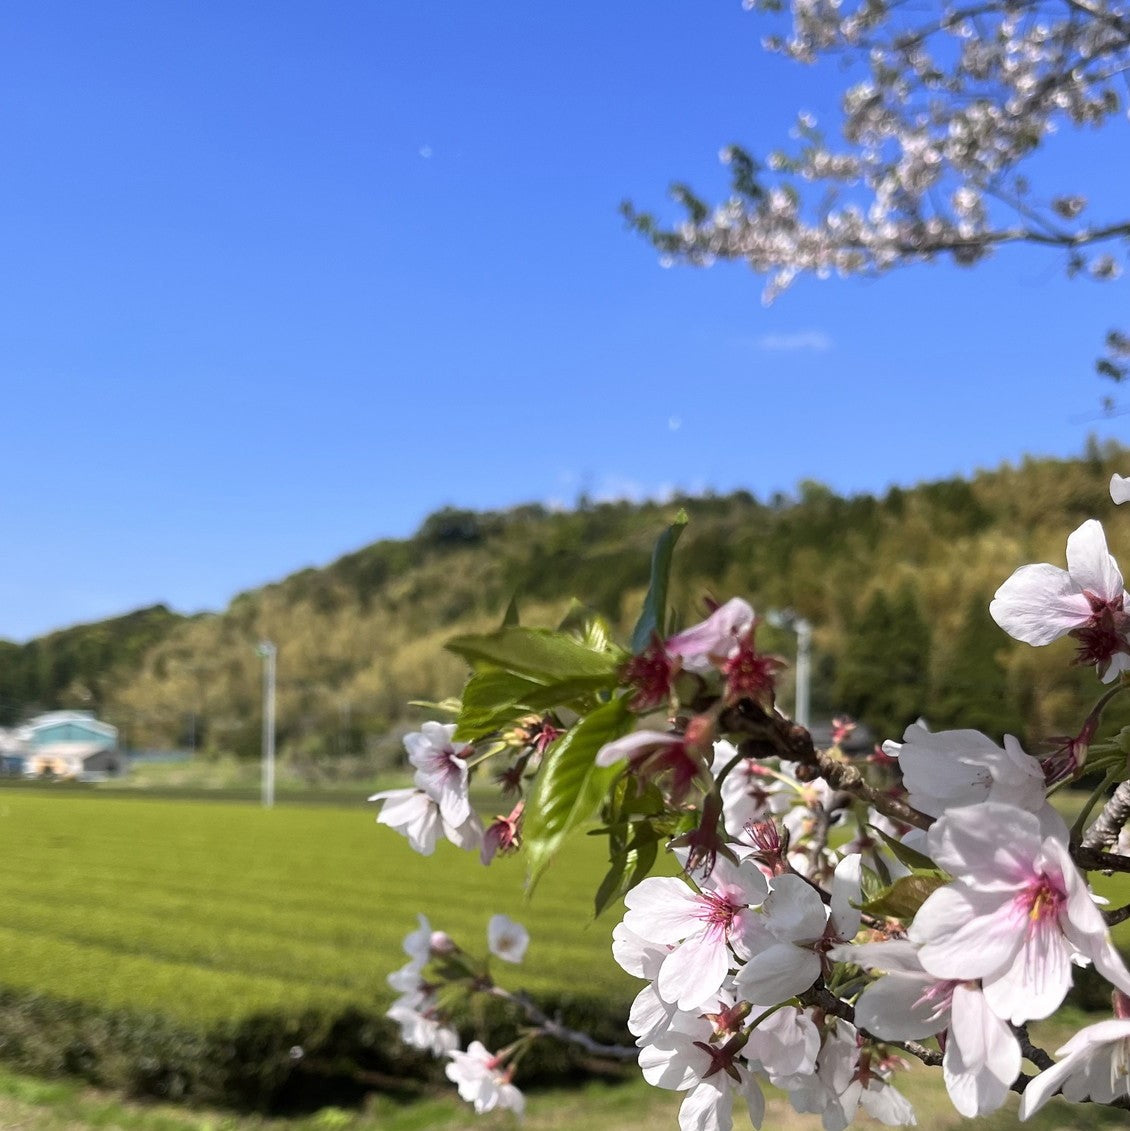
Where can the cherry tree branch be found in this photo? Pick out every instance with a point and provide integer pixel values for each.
(774, 735)
(1109, 823)
(553, 1027)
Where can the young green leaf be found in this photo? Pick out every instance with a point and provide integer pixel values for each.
(538, 654)
(906, 895)
(570, 785)
(653, 617)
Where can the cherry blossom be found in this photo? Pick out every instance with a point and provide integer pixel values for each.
(784, 941)
(416, 815)
(679, 762)
(948, 769)
(506, 939)
(481, 1082)
(715, 640)
(1120, 488)
(750, 791)
(1018, 915)
(441, 769)
(705, 924)
(844, 1081)
(982, 1057)
(1095, 1066)
(1041, 603)
(702, 1054)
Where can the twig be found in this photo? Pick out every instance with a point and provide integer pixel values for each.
(552, 1027)
(1093, 860)
(789, 740)
(822, 998)
(1120, 915)
(1031, 1052)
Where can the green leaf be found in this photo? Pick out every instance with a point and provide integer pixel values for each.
(653, 616)
(916, 861)
(870, 884)
(538, 654)
(491, 699)
(510, 617)
(570, 785)
(906, 895)
(629, 866)
(494, 698)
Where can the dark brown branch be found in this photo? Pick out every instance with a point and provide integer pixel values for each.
(1119, 915)
(776, 736)
(1094, 860)
(1031, 1052)
(820, 997)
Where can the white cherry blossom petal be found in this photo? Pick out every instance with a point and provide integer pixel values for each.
(1039, 604)
(1090, 563)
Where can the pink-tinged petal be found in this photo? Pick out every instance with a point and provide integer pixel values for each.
(793, 911)
(1108, 962)
(1119, 663)
(694, 971)
(718, 634)
(1090, 564)
(892, 956)
(1036, 983)
(1120, 488)
(786, 1043)
(671, 1061)
(990, 846)
(1039, 604)
(468, 835)
(777, 974)
(1041, 1088)
(982, 1056)
(636, 955)
(846, 895)
(744, 881)
(1093, 1036)
(754, 1099)
(649, 1016)
(887, 1104)
(965, 934)
(709, 1107)
(662, 909)
(896, 1008)
(621, 748)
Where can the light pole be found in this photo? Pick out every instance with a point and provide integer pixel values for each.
(268, 652)
(803, 630)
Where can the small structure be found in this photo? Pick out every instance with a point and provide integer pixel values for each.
(13, 754)
(71, 744)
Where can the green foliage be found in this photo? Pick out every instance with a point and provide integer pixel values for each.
(178, 950)
(653, 617)
(570, 785)
(884, 674)
(363, 636)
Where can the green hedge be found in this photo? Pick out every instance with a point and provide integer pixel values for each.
(271, 1062)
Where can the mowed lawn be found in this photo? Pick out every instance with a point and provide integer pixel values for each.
(212, 910)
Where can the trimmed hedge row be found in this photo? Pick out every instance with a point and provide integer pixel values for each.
(271, 1062)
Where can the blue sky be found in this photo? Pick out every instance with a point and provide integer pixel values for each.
(280, 279)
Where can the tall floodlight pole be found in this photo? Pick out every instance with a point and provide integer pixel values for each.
(788, 619)
(268, 652)
(803, 671)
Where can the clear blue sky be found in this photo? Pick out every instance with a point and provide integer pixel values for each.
(279, 279)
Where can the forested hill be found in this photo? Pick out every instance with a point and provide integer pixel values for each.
(897, 588)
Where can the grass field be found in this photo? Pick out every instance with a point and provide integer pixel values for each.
(212, 910)
(208, 911)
